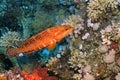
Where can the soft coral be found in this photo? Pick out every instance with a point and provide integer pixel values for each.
(38, 74)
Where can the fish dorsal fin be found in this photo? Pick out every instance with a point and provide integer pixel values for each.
(24, 43)
(27, 42)
(51, 46)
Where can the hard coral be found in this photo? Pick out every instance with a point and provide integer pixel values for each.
(77, 22)
(10, 75)
(53, 63)
(101, 10)
(10, 39)
(38, 74)
(111, 35)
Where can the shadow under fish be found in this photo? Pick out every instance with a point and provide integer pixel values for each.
(6, 63)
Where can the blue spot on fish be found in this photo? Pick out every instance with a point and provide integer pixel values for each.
(46, 51)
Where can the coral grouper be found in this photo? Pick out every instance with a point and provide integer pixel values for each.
(46, 38)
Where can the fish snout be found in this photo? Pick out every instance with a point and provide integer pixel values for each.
(68, 27)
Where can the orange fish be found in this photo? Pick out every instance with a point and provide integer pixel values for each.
(47, 38)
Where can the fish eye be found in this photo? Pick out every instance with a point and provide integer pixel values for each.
(66, 29)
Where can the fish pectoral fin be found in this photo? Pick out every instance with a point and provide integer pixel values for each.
(52, 46)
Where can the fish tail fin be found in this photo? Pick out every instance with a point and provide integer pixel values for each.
(12, 52)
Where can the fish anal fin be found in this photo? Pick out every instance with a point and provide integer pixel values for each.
(51, 46)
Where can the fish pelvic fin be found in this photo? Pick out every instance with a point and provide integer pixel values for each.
(52, 46)
(11, 52)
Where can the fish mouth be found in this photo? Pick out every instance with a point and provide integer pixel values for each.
(70, 28)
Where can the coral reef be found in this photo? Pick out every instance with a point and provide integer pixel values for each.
(11, 75)
(53, 63)
(77, 22)
(110, 35)
(3, 77)
(10, 39)
(102, 10)
(117, 77)
(93, 52)
(90, 52)
(63, 71)
(38, 74)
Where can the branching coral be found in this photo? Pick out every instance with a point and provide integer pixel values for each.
(111, 34)
(102, 10)
(84, 49)
(77, 22)
(73, 20)
(110, 37)
(60, 66)
(116, 29)
(53, 64)
(10, 39)
(77, 59)
(89, 63)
